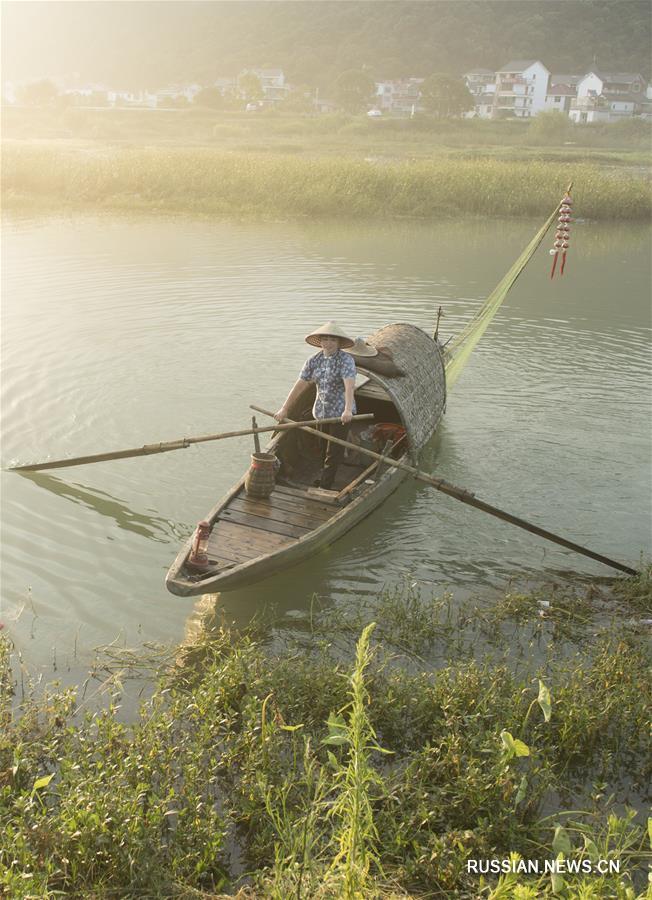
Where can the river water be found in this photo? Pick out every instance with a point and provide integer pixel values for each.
(122, 330)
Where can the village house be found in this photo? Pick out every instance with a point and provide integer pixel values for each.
(608, 97)
(226, 85)
(521, 88)
(140, 99)
(88, 95)
(481, 84)
(400, 96)
(562, 89)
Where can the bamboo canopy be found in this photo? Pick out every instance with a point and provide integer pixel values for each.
(420, 394)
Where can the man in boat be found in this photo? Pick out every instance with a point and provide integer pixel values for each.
(333, 372)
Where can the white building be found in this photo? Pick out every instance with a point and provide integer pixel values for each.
(141, 99)
(400, 95)
(481, 84)
(88, 95)
(521, 88)
(608, 97)
(562, 90)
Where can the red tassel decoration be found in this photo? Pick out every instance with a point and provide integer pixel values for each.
(562, 237)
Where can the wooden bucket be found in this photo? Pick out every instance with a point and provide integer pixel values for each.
(259, 480)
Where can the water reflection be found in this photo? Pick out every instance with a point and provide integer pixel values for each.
(152, 527)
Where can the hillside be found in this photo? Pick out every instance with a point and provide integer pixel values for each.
(138, 44)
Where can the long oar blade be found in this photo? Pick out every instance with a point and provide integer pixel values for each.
(164, 447)
(468, 497)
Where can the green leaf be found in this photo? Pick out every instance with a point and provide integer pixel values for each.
(522, 791)
(649, 830)
(42, 782)
(333, 761)
(513, 745)
(336, 722)
(335, 740)
(557, 883)
(508, 742)
(337, 731)
(291, 727)
(545, 701)
(591, 849)
(561, 841)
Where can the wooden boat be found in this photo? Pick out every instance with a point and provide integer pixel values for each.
(253, 538)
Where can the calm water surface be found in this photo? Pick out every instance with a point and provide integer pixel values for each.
(120, 331)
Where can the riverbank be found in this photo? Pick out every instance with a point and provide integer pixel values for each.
(329, 769)
(207, 181)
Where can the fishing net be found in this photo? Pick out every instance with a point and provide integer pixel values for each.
(459, 349)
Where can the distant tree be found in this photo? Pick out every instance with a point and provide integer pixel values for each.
(353, 89)
(210, 98)
(251, 87)
(301, 100)
(178, 102)
(444, 96)
(38, 93)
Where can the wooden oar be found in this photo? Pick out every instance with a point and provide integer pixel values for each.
(180, 444)
(468, 497)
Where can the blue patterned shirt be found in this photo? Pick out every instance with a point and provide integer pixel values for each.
(328, 373)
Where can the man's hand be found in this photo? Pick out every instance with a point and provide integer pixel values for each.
(347, 415)
(281, 414)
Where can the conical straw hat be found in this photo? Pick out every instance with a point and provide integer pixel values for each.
(330, 328)
(362, 348)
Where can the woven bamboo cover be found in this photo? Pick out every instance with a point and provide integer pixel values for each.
(420, 396)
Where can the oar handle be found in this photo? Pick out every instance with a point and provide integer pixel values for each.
(164, 447)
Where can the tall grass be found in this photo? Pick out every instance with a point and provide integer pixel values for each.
(208, 182)
(356, 835)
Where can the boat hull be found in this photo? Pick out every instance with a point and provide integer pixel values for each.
(256, 569)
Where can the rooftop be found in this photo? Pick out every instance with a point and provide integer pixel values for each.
(619, 77)
(566, 79)
(562, 89)
(519, 65)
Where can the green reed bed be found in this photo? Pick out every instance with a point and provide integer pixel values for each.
(208, 182)
(344, 769)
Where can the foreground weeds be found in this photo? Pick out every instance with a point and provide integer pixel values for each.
(206, 181)
(352, 770)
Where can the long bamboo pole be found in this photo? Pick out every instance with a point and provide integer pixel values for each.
(468, 497)
(179, 444)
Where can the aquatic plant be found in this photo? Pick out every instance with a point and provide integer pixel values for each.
(205, 181)
(248, 761)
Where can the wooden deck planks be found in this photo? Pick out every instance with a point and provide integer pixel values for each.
(231, 539)
(263, 524)
(303, 504)
(276, 513)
